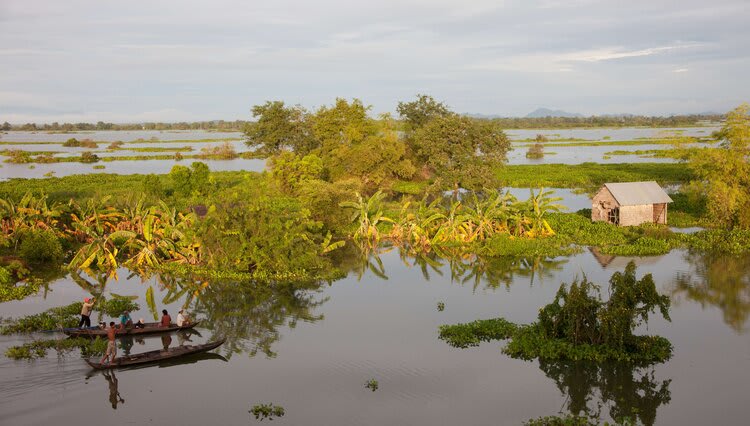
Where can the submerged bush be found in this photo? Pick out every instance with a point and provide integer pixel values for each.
(578, 325)
(88, 157)
(267, 411)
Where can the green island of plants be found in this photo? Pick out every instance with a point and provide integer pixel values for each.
(579, 325)
(65, 316)
(267, 411)
(39, 348)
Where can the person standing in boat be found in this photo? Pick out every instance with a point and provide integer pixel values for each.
(111, 345)
(166, 320)
(88, 305)
(182, 318)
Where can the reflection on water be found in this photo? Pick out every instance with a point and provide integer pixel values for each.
(249, 315)
(620, 390)
(480, 271)
(386, 330)
(114, 393)
(719, 281)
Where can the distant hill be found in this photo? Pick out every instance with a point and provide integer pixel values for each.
(546, 112)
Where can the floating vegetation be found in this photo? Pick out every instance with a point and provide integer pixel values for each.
(10, 289)
(578, 325)
(39, 348)
(564, 420)
(75, 143)
(99, 167)
(224, 151)
(372, 384)
(440, 306)
(65, 316)
(473, 333)
(267, 411)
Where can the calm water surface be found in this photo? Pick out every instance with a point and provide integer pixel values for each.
(556, 154)
(311, 351)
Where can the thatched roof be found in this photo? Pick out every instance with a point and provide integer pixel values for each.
(636, 193)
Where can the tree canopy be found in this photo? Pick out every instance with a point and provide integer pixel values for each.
(724, 173)
(449, 149)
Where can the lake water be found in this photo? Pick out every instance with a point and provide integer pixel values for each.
(556, 154)
(311, 351)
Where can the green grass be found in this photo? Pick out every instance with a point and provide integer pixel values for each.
(160, 149)
(83, 187)
(590, 175)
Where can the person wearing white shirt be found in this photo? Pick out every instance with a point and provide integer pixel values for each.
(182, 319)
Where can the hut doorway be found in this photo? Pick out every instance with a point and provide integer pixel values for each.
(613, 216)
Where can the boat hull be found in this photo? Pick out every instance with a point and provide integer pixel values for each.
(156, 356)
(150, 328)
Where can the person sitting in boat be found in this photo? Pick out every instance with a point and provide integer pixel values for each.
(166, 320)
(102, 325)
(140, 324)
(111, 345)
(125, 321)
(182, 319)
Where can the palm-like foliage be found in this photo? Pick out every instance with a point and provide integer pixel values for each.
(28, 213)
(452, 226)
(368, 213)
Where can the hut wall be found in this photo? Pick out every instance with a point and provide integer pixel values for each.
(635, 215)
(602, 203)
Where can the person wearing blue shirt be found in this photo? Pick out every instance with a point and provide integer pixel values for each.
(125, 320)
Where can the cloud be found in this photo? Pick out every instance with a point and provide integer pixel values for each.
(124, 59)
(608, 54)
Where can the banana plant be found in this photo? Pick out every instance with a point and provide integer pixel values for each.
(541, 204)
(368, 213)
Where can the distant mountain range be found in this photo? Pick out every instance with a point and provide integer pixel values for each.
(546, 112)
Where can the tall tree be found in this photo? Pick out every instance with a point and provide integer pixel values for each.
(459, 152)
(724, 173)
(419, 112)
(280, 127)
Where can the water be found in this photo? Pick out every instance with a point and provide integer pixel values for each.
(312, 351)
(587, 154)
(562, 154)
(118, 135)
(123, 167)
(615, 134)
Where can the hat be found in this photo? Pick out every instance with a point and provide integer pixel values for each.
(86, 300)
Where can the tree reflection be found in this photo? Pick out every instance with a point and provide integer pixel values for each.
(250, 315)
(480, 271)
(492, 272)
(718, 280)
(624, 390)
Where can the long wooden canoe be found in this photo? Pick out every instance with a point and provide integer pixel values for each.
(156, 356)
(149, 328)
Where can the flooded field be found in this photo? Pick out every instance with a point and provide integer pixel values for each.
(197, 140)
(312, 350)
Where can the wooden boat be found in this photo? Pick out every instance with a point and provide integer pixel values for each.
(156, 356)
(149, 328)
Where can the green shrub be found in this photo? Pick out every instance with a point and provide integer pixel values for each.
(40, 246)
(88, 157)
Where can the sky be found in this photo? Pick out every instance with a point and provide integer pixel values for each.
(184, 60)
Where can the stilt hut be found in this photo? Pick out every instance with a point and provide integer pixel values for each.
(630, 203)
